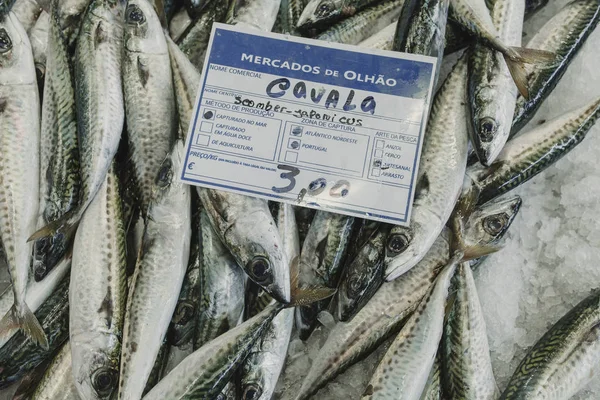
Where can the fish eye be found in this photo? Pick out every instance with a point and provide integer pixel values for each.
(398, 243)
(252, 393)
(134, 15)
(183, 313)
(260, 268)
(5, 42)
(103, 381)
(324, 9)
(487, 128)
(163, 179)
(494, 224)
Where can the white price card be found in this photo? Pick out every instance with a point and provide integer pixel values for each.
(312, 123)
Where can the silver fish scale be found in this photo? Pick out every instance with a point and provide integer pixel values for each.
(27, 11)
(57, 382)
(149, 99)
(158, 276)
(467, 366)
(97, 306)
(433, 388)
(19, 157)
(98, 94)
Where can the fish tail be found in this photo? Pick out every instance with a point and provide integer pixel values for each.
(516, 57)
(304, 296)
(477, 251)
(22, 318)
(67, 225)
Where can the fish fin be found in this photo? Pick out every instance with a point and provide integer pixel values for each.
(26, 321)
(534, 56)
(515, 59)
(519, 75)
(473, 252)
(304, 297)
(295, 274)
(67, 224)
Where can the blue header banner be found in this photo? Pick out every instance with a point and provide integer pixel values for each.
(329, 63)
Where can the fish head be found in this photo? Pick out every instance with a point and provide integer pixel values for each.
(166, 182)
(489, 222)
(143, 31)
(406, 246)
(318, 14)
(182, 325)
(253, 389)
(95, 371)
(364, 275)
(16, 59)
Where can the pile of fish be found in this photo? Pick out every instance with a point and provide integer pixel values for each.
(127, 284)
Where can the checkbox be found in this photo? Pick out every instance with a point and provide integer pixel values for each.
(291, 156)
(206, 127)
(202, 140)
(377, 163)
(208, 114)
(375, 172)
(294, 144)
(378, 153)
(379, 144)
(297, 130)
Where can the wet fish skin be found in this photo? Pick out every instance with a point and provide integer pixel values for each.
(433, 387)
(59, 158)
(491, 92)
(149, 95)
(289, 15)
(158, 276)
(321, 14)
(364, 24)
(404, 370)
(364, 275)
(255, 14)
(563, 35)
(70, 16)
(528, 154)
(27, 12)
(57, 382)
(466, 363)
(222, 291)
(235, 218)
(563, 360)
(321, 262)
(38, 37)
(20, 355)
(19, 187)
(97, 306)
(206, 372)
(440, 177)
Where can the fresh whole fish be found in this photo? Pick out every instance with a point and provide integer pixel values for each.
(530, 153)
(364, 24)
(57, 382)
(404, 370)
(99, 101)
(97, 306)
(321, 262)
(320, 14)
(222, 288)
(384, 314)
(441, 172)
(255, 14)
(564, 360)
(20, 355)
(466, 363)
(149, 95)
(563, 35)
(158, 276)
(27, 12)
(59, 158)
(246, 227)
(492, 94)
(19, 163)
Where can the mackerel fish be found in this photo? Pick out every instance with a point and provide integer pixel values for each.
(564, 360)
(27, 12)
(563, 35)
(19, 163)
(404, 370)
(321, 14)
(158, 276)
(99, 101)
(492, 94)
(466, 363)
(364, 24)
(59, 158)
(57, 382)
(530, 153)
(149, 95)
(321, 262)
(440, 177)
(222, 288)
(97, 306)
(383, 315)
(255, 14)
(20, 355)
